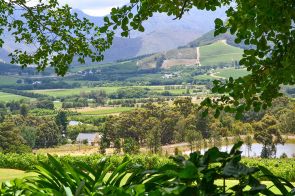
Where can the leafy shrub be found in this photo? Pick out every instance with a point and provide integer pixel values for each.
(196, 175)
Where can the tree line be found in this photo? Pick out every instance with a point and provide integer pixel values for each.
(156, 125)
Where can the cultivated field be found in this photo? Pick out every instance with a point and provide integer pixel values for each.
(173, 62)
(4, 97)
(108, 90)
(8, 80)
(235, 73)
(100, 111)
(75, 91)
(219, 53)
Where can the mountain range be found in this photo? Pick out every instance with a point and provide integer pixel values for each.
(161, 33)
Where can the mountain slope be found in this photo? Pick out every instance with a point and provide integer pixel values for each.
(217, 53)
(161, 33)
(209, 38)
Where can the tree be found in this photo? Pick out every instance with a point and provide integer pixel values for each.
(29, 135)
(267, 133)
(3, 113)
(154, 135)
(24, 110)
(11, 140)
(184, 105)
(249, 142)
(62, 121)
(48, 135)
(130, 146)
(202, 124)
(13, 106)
(287, 121)
(54, 33)
(45, 104)
(117, 145)
(193, 137)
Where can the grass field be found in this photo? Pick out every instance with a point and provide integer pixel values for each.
(75, 91)
(204, 77)
(10, 174)
(108, 90)
(57, 105)
(5, 97)
(100, 111)
(235, 73)
(85, 67)
(219, 53)
(8, 80)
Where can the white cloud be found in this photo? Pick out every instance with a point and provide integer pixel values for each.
(90, 7)
(98, 11)
(94, 7)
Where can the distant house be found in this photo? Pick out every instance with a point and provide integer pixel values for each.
(74, 123)
(37, 83)
(92, 139)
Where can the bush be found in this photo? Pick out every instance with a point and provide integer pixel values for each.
(195, 175)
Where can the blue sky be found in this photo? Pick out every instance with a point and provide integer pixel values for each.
(94, 7)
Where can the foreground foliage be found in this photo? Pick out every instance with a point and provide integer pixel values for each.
(196, 175)
(280, 167)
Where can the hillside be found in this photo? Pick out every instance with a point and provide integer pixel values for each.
(161, 33)
(218, 53)
(209, 38)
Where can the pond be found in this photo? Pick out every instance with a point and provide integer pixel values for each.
(289, 149)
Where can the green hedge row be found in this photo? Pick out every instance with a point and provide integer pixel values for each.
(28, 161)
(281, 167)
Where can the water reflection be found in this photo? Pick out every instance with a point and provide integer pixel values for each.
(288, 149)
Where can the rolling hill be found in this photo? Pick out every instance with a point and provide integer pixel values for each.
(217, 53)
(209, 38)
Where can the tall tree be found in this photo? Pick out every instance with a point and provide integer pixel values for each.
(61, 120)
(267, 133)
(154, 135)
(29, 135)
(48, 135)
(11, 139)
(193, 137)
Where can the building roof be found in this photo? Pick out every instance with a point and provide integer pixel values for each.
(90, 137)
(74, 123)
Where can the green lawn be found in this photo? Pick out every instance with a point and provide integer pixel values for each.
(5, 97)
(235, 73)
(10, 174)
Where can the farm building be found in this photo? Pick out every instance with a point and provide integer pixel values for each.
(91, 139)
(74, 123)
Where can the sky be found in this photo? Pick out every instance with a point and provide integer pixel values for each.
(94, 7)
